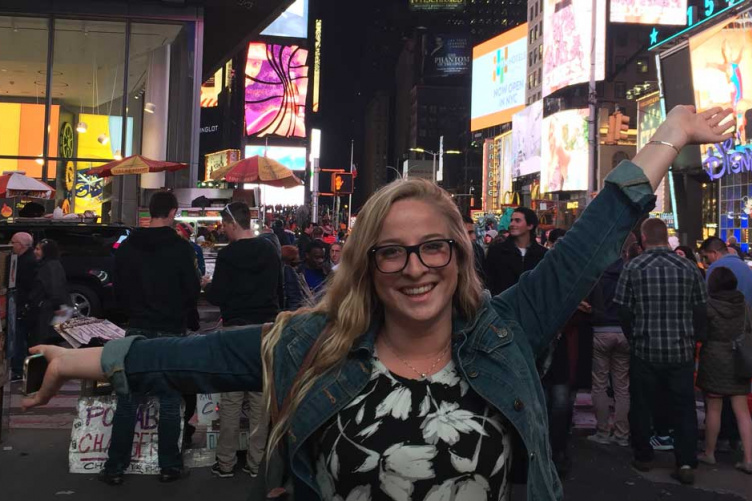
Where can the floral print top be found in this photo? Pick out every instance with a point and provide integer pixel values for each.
(404, 439)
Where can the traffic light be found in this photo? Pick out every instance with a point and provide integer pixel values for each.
(342, 183)
(622, 122)
(611, 134)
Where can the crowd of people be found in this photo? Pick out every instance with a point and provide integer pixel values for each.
(643, 323)
(41, 293)
(412, 362)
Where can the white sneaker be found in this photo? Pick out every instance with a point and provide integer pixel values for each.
(621, 442)
(600, 438)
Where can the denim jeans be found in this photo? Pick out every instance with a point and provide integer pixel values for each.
(560, 399)
(123, 429)
(670, 383)
(124, 423)
(20, 348)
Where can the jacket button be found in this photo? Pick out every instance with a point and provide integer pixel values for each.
(473, 374)
(532, 456)
(518, 405)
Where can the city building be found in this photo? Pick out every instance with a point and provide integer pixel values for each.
(707, 64)
(85, 82)
(373, 173)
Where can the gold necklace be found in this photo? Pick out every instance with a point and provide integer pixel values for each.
(423, 375)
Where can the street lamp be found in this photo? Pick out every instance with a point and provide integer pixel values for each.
(435, 154)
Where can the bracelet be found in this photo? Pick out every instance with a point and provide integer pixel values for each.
(664, 143)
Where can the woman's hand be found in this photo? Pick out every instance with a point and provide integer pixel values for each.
(64, 365)
(683, 126)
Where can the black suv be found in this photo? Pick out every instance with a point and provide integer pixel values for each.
(87, 255)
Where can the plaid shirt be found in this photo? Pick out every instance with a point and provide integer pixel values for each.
(661, 289)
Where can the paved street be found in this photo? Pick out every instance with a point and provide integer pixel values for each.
(37, 448)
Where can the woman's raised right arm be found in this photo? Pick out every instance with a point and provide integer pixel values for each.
(212, 363)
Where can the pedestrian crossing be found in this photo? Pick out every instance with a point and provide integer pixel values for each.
(60, 411)
(57, 414)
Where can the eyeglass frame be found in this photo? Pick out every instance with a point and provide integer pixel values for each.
(412, 249)
(229, 211)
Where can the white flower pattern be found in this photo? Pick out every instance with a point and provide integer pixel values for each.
(411, 440)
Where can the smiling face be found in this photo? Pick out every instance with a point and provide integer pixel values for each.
(518, 225)
(417, 294)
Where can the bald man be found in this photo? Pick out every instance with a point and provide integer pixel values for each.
(22, 244)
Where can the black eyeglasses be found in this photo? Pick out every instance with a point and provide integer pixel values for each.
(394, 258)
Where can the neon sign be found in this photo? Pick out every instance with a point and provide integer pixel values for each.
(708, 11)
(724, 159)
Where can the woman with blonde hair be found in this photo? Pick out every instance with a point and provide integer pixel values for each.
(407, 381)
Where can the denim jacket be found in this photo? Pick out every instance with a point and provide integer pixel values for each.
(495, 351)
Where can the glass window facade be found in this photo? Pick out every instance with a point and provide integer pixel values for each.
(98, 90)
(735, 208)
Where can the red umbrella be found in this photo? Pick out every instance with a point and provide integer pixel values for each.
(260, 170)
(135, 164)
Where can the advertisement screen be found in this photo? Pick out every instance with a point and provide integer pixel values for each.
(292, 157)
(446, 56)
(722, 72)
(526, 140)
(649, 117)
(564, 148)
(666, 12)
(437, 4)
(499, 73)
(22, 134)
(503, 144)
(291, 23)
(276, 84)
(567, 34)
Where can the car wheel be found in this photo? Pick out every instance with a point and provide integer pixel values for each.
(85, 301)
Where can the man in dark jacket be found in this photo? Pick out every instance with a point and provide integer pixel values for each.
(156, 279)
(246, 288)
(507, 260)
(26, 271)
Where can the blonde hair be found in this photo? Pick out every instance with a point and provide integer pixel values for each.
(350, 302)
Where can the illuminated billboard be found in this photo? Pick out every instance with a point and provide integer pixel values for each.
(526, 140)
(437, 4)
(662, 12)
(564, 151)
(446, 55)
(722, 72)
(292, 157)
(276, 85)
(649, 117)
(567, 34)
(291, 23)
(316, 66)
(499, 74)
(22, 133)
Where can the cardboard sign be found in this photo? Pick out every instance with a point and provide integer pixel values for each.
(80, 331)
(92, 433)
(206, 408)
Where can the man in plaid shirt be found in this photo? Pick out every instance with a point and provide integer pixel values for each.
(663, 300)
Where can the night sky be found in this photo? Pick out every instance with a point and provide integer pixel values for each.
(356, 61)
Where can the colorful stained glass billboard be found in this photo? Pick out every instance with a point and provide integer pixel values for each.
(276, 85)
